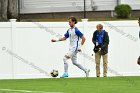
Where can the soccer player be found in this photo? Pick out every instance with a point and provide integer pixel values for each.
(75, 36)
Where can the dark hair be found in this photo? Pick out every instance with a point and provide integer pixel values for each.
(73, 19)
(139, 18)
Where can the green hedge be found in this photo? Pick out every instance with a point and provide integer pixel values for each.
(123, 10)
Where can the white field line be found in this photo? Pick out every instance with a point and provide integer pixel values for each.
(27, 91)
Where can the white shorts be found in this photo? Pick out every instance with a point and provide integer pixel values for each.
(71, 54)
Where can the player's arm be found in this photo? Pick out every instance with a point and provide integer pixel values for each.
(79, 34)
(60, 39)
(83, 40)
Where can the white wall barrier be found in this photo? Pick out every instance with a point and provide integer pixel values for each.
(26, 50)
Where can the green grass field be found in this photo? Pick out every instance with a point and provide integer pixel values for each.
(72, 85)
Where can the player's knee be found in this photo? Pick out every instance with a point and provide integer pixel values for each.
(65, 59)
(66, 56)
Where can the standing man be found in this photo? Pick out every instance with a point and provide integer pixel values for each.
(77, 39)
(101, 40)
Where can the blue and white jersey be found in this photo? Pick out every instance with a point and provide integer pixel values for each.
(74, 36)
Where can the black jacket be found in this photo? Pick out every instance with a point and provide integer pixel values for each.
(104, 46)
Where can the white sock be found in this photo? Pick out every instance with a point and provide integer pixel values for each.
(65, 65)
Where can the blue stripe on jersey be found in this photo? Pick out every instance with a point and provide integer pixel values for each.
(66, 34)
(77, 44)
(78, 33)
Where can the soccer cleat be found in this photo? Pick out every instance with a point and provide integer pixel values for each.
(87, 72)
(65, 75)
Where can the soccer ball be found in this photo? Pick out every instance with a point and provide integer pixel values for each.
(54, 73)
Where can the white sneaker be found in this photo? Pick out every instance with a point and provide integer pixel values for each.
(87, 72)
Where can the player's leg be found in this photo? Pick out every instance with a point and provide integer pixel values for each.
(74, 61)
(105, 64)
(97, 59)
(65, 59)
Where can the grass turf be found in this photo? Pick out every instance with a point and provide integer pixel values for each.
(74, 85)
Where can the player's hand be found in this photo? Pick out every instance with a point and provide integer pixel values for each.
(53, 40)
